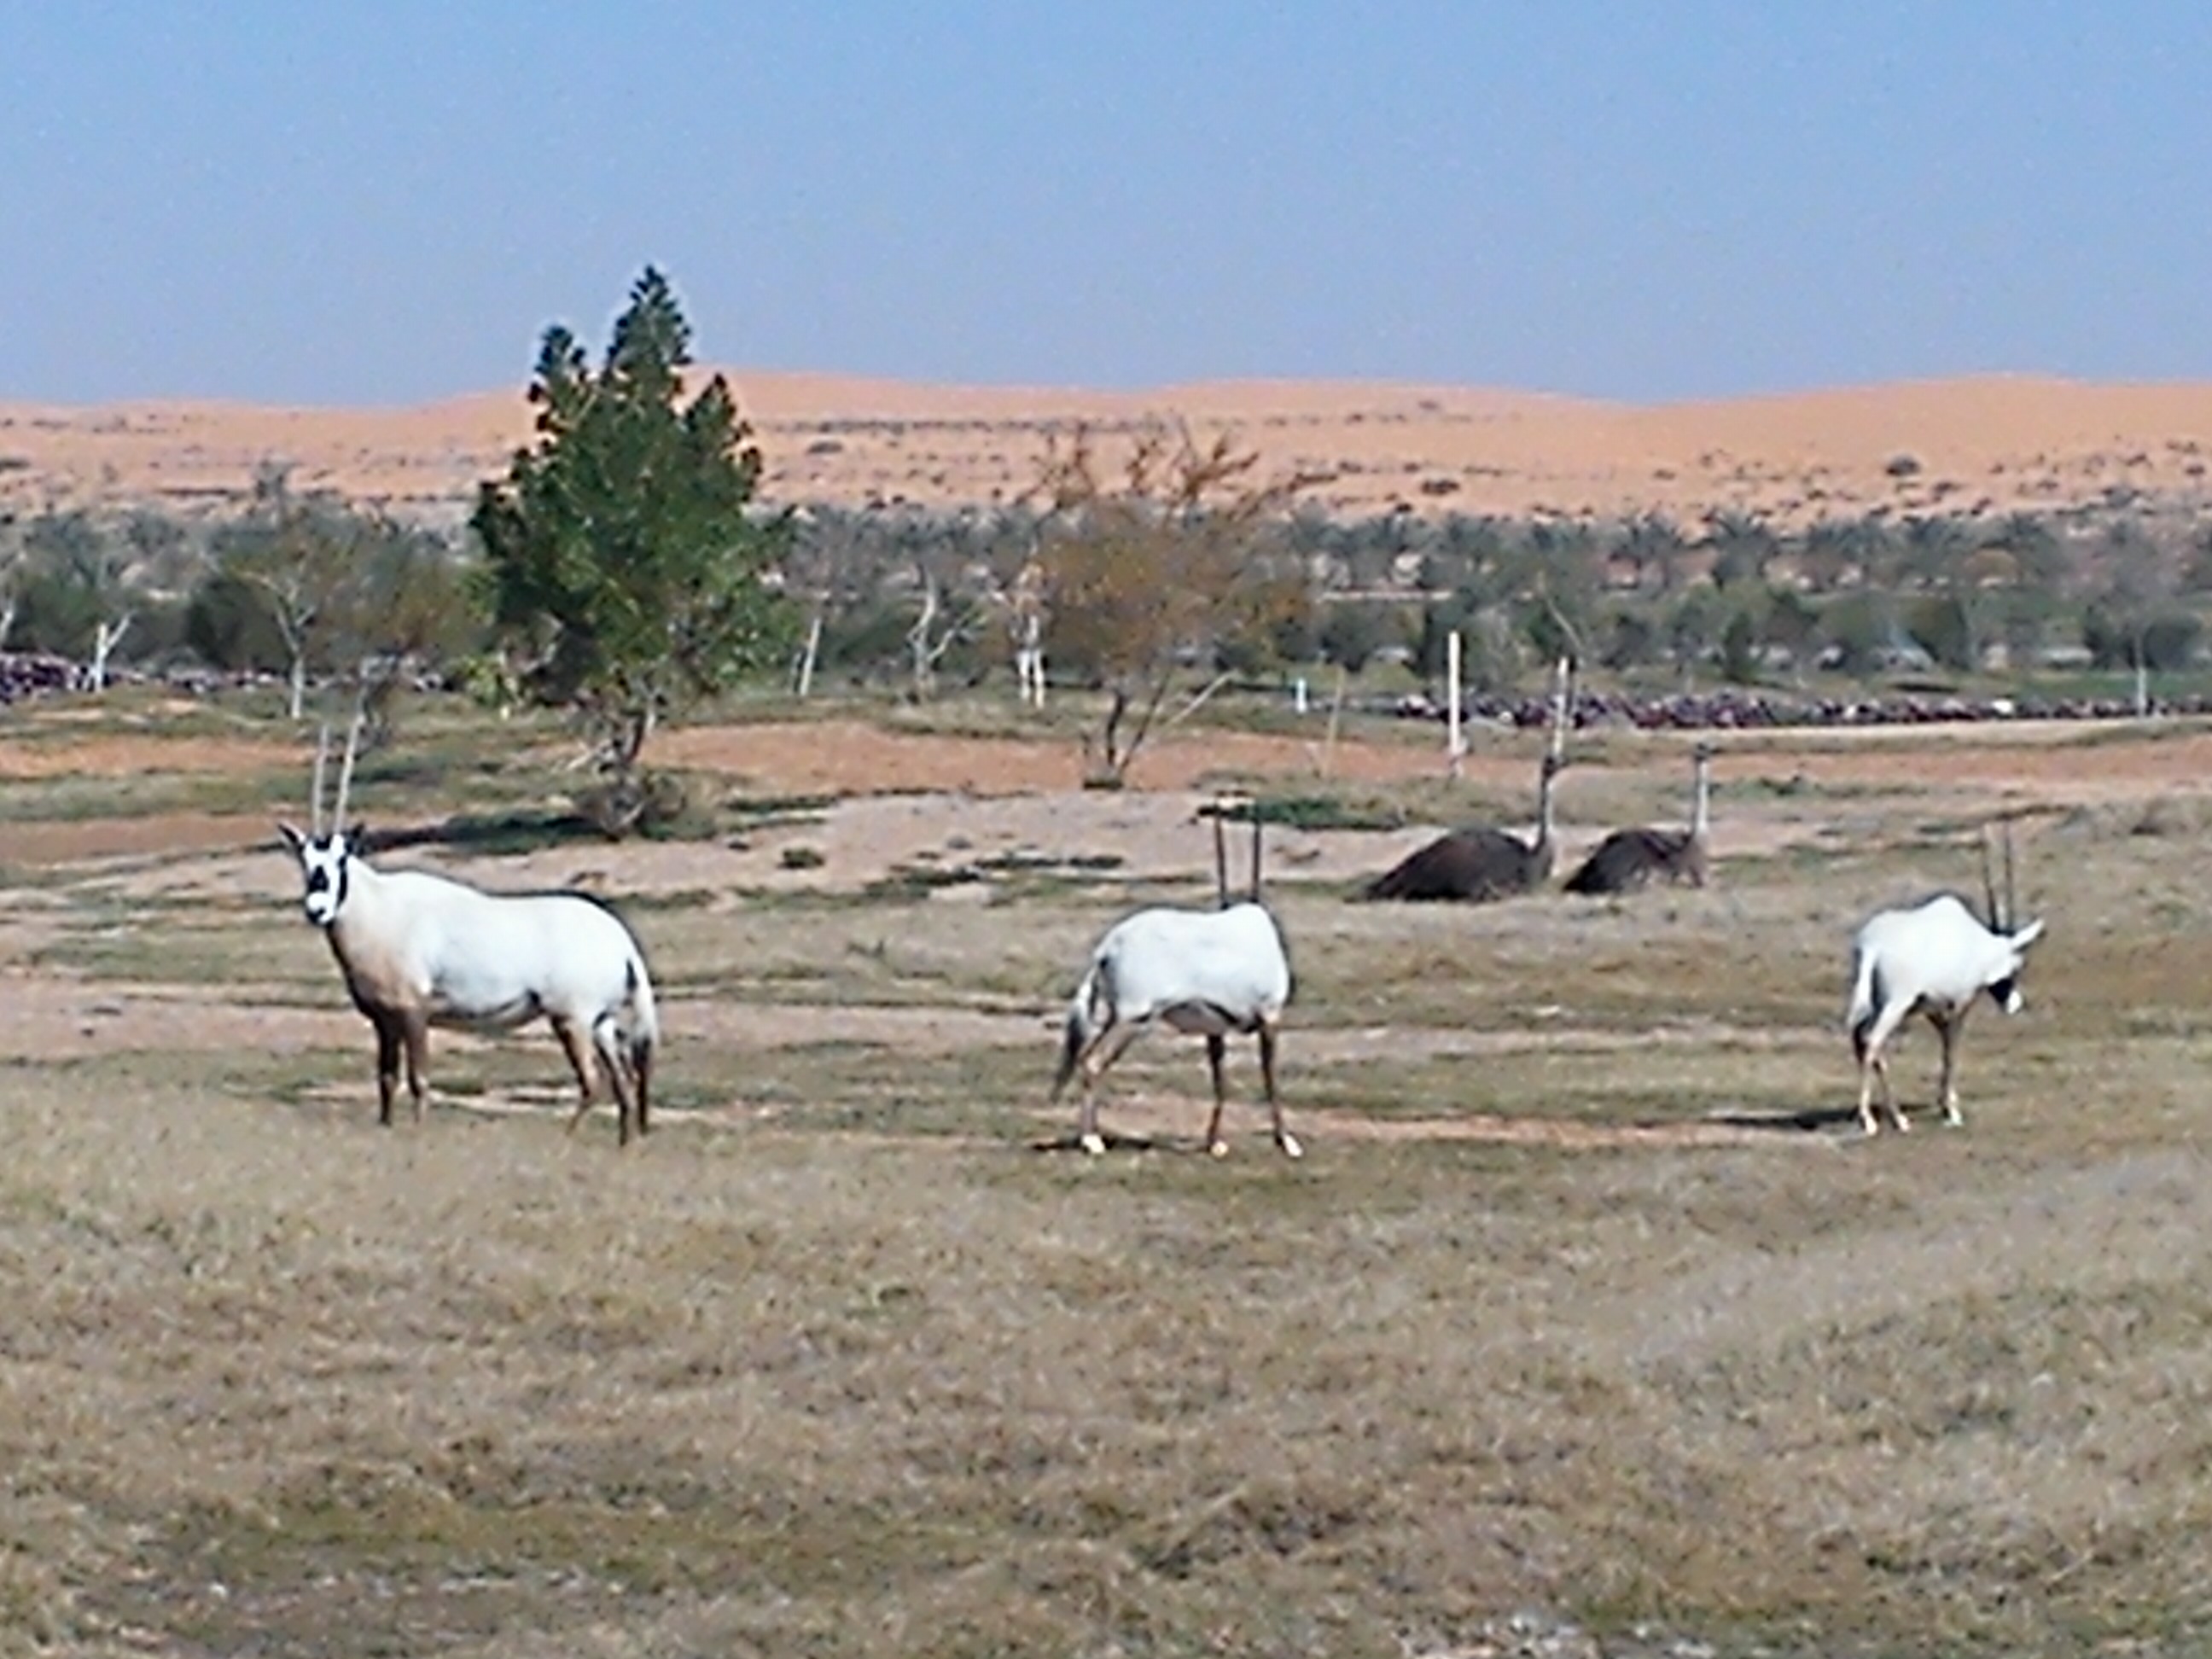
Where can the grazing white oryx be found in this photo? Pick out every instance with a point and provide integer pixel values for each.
(1206, 973)
(1935, 958)
(418, 950)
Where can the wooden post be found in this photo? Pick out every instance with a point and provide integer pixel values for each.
(1455, 742)
(1335, 717)
(806, 661)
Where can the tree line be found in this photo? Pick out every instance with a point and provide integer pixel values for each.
(623, 568)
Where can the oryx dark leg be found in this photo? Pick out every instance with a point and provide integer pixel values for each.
(415, 1034)
(387, 1064)
(621, 1082)
(578, 1048)
(1216, 1046)
(1284, 1138)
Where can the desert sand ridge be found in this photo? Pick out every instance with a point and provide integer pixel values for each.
(1985, 443)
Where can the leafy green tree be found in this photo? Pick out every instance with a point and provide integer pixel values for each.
(1353, 630)
(409, 605)
(1742, 548)
(1860, 631)
(1693, 629)
(1790, 624)
(229, 624)
(1560, 579)
(1632, 638)
(2138, 575)
(1656, 548)
(1740, 648)
(622, 555)
(75, 598)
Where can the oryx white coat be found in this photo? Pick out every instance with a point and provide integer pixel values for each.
(1203, 972)
(1935, 958)
(418, 950)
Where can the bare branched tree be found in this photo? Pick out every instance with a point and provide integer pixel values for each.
(1156, 564)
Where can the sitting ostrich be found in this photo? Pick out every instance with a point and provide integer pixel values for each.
(1481, 863)
(1629, 858)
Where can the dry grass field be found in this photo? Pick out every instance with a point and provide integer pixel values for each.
(1587, 1325)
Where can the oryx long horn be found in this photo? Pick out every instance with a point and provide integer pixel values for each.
(315, 787)
(345, 778)
(1220, 855)
(1989, 886)
(2012, 896)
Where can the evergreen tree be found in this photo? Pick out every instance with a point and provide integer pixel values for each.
(621, 550)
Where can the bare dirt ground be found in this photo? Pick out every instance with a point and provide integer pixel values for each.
(908, 800)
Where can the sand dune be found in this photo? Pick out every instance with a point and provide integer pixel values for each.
(1985, 445)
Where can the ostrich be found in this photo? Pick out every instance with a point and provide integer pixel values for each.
(1481, 863)
(1629, 858)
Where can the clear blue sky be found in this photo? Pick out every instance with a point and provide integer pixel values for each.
(386, 202)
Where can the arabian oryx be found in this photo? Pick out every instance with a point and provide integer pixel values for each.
(418, 950)
(1206, 973)
(1935, 958)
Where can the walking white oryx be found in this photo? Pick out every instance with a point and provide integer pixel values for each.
(1935, 958)
(419, 949)
(1206, 973)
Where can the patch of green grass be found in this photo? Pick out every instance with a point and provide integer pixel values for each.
(1312, 813)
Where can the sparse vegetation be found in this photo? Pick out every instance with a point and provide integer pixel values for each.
(1585, 1308)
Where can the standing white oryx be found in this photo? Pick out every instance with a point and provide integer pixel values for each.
(1935, 958)
(418, 950)
(1206, 973)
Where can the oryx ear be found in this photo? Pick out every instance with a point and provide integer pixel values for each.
(293, 839)
(2027, 935)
